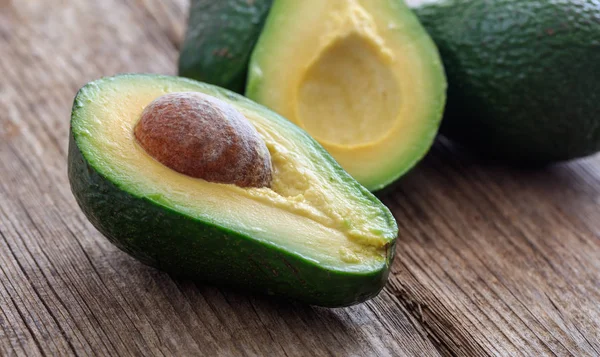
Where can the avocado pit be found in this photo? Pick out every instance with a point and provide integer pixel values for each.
(204, 137)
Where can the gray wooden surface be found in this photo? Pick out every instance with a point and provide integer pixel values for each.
(490, 260)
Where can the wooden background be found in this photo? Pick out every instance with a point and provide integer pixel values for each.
(491, 260)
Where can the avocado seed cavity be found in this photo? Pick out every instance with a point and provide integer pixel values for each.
(204, 137)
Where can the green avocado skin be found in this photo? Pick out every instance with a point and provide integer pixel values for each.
(524, 76)
(192, 248)
(219, 40)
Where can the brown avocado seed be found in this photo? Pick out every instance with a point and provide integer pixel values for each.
(204, 137)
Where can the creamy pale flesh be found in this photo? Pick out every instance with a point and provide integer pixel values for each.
(363, 111)
(305, 210)
(351, 73)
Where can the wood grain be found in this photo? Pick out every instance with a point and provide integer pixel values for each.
(491, 260)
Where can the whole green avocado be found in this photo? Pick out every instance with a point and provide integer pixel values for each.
(524, 75)
(219, 40)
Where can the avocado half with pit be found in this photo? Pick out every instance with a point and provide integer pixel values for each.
(201, 182)
(361, 76)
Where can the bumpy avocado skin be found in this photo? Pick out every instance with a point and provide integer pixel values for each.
(524, 76)
(219, 40)
(184, 246)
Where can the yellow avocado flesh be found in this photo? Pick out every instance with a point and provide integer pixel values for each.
(363, 112)
(303, 212)
(352, 73)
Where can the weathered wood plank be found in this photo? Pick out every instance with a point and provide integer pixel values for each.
(502, 258)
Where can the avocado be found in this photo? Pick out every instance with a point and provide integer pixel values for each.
(159, 164)
(219, 39)
(524, 76)
(361, 76)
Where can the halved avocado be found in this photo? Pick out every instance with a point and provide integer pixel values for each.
(315, 235)
(361, 76)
